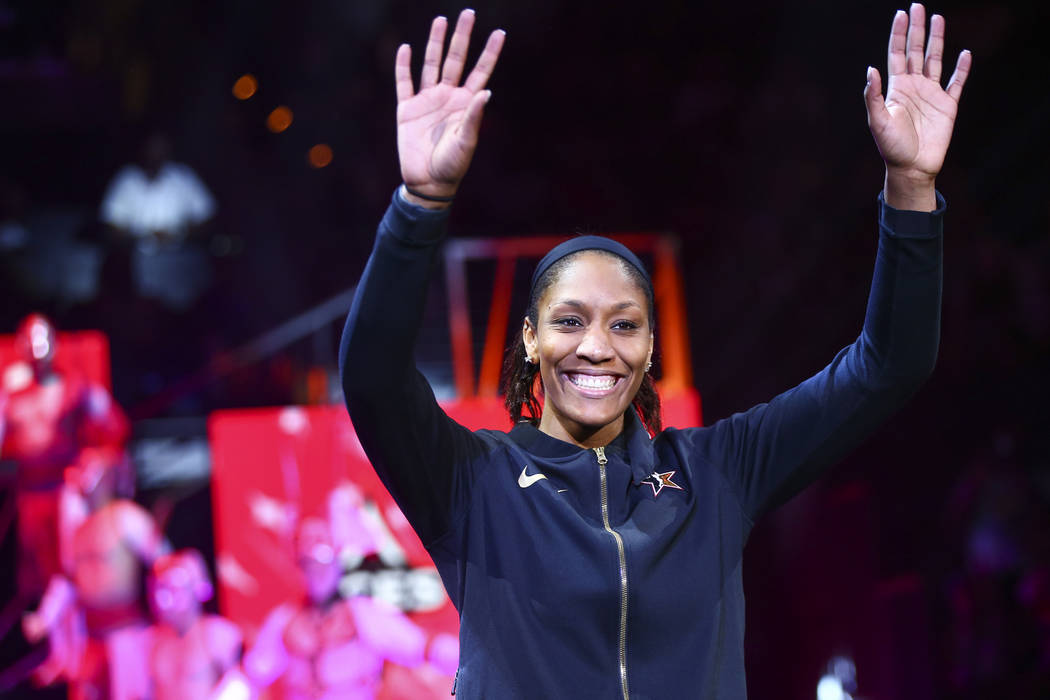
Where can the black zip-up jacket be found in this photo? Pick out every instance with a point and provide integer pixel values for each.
(614, 572)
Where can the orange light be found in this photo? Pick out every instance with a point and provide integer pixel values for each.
(279, 119)
(320, 155)
(245, 86)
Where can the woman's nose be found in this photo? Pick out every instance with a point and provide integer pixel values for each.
(594, 346)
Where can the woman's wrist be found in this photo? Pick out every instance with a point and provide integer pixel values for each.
(424, 199)
(909, 191)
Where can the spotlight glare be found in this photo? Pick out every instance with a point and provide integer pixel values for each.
(245, 86)
(279, 119)
(320, 155)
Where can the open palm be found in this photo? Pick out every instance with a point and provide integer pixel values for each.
(913, 125)
(437, 127)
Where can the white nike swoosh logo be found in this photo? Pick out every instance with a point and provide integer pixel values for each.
(525, 481)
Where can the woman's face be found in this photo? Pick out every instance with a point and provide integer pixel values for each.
(173, 597)
(592, 341)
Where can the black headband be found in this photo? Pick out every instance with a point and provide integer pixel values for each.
(575, 245)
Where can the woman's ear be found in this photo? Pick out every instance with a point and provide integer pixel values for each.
(528, 336)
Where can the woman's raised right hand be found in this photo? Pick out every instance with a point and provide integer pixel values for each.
(437, 127)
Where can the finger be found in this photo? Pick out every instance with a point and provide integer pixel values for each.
(471, 123)
(916, 37)
(958, 79)
(878, 115)
(432, 57)
(403, 73)
(457, 49)
(479, 77)
(935, 49)
(896, 60)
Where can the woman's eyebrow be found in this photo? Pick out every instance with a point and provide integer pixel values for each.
(569, 302)
(580, 306)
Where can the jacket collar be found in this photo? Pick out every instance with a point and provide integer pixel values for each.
(633, 445)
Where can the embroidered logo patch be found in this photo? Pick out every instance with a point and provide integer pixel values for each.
(660, 481)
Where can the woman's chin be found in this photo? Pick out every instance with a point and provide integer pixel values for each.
(592, 419)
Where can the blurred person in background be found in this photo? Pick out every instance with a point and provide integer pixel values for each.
(158, 206)
(327, 646)
(47, 418)
(996, 587)
(192, 654)
(14, 234)
(43, 258)
(94, 614)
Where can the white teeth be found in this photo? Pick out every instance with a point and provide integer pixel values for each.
(588, 381)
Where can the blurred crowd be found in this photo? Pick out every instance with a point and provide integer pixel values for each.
(151, 270)
(106, 607)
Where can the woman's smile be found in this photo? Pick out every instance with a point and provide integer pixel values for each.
(595, 386)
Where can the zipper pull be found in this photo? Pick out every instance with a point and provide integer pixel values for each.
(455, 682)
(602, 459)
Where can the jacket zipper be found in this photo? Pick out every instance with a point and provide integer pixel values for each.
(602, 461)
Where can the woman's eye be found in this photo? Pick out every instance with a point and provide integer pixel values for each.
(569, 321)
(625, 325)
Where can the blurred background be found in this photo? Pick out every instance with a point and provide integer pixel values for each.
(200, 182)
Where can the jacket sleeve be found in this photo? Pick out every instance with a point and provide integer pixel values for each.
(774, 450)
(422, 456)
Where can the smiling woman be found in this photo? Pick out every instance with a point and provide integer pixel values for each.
(590, 553)
(588, 333)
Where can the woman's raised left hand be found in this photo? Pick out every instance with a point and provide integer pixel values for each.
(913, 125)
